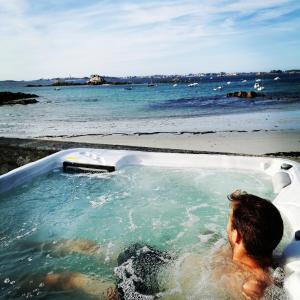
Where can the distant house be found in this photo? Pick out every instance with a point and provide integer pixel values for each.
(96, 79)
(58, 82)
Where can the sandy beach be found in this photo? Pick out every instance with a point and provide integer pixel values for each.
(252, 143)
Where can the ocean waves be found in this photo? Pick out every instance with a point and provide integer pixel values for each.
(222, 104)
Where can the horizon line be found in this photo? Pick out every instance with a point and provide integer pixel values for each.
(158, 74)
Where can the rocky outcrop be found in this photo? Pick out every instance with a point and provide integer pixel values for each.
(14, 154)
(21, 101)
(243, 94)
(9, 98)
(96, 80)
(35, 85)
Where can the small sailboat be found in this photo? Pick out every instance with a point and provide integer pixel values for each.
(193, 84)
(260, 88)
(218, 88)
(151, 84)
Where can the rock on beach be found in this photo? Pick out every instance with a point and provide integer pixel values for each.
(243, 94)
(9, 98)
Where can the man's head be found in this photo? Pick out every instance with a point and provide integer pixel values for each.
(256, 223)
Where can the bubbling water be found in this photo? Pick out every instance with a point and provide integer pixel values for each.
(81, 223)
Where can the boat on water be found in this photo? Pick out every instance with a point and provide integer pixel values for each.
(193, 84)
(151, 84)
(228, 82)
(218, 88)
(175, 84)
(277, 78)
(128, 88)
(57, 89)
(258, 86)
(258, 80)
(245, 80)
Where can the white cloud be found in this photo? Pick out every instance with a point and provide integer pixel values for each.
(276, 12)
(111, 38)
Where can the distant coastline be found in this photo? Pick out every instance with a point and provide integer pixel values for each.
(93, 80)
(155, 78)
(73, 84)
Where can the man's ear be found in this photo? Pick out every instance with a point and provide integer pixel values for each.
(236, 237)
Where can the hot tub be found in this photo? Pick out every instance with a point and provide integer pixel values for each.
(276, 179)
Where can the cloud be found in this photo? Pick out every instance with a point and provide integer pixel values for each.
(55, 38)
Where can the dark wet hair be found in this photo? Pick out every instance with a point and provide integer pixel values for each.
(258, 222)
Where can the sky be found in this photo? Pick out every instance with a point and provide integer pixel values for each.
(59, 38)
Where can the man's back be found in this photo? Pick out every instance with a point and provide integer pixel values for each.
(216, 277)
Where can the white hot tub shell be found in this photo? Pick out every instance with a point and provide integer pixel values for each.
(285, 176)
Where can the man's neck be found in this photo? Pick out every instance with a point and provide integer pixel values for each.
(240, 256)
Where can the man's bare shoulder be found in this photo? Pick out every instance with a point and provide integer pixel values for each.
(254, 288)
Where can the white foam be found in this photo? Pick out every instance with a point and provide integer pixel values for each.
(178, 236)
(212, 227)
(109, 252)
(132, 226)
(218, 244)
(126, 274)
(26, 233)
(204, 238)
(192, 219)
(156, 223)
(100, 202)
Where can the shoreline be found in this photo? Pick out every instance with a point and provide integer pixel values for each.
(147, 133)
(254, 142)
(59, 128)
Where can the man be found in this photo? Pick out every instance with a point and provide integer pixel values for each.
(255, 228)
(240, 271)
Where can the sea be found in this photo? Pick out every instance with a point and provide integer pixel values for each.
(163, 108)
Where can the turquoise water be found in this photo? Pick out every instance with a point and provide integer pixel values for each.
(113, 109)
(176, 210)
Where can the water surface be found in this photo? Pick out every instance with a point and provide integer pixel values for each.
(174, 210)
(113, 109)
